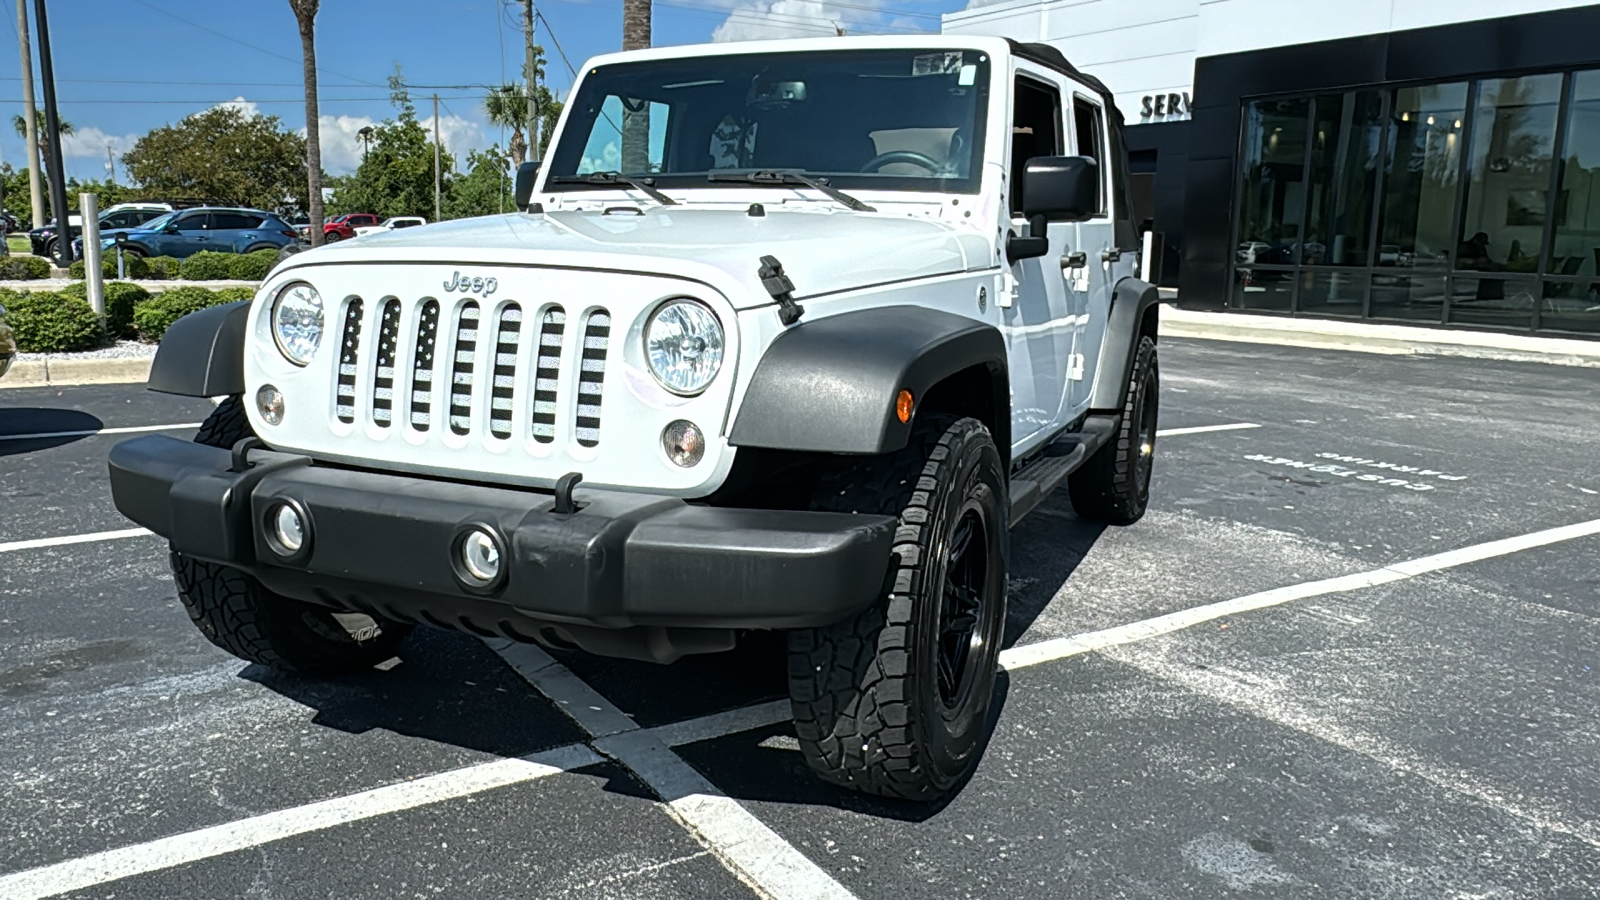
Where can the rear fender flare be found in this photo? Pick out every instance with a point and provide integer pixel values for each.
(1130, 301)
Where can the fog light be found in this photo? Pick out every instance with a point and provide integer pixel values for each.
(289, 529)
(269, 402)
(480, 556)
(684, 443)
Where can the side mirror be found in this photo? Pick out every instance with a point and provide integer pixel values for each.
(527, 173)
(171, 228)
(1054, 189)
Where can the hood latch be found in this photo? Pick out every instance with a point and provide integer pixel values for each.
(781, 289)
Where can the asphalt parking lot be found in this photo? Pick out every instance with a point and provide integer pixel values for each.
(1353, 650)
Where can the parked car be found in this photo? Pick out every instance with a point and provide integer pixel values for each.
(341, 228)
(8, 343)
(123, 215)
(391, 224)
(9, 223)
(183, 233)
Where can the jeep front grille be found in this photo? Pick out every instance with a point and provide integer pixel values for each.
(566, 383)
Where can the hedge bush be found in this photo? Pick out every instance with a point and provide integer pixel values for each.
(24, 268)
(235, 294)
(206, 265)
(122, 298)
(163, 268)
(47, 322)
(135, 266)
(252, 266)
(154, 316)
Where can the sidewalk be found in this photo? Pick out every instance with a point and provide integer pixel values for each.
(1372, 337)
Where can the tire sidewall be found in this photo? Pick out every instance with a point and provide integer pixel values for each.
(1146, 402)
(974, 481)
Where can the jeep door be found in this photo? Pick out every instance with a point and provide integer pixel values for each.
(1039, 325)
(1091, 285)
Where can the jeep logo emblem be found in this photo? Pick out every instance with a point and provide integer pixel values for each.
(481, 286)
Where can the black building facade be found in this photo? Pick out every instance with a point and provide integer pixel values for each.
(1444, 176)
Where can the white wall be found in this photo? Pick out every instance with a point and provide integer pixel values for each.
(1141, 48)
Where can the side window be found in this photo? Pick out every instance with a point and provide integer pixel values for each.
(1035, 130)
(234, 221)
(193, 222)
(1089, 122)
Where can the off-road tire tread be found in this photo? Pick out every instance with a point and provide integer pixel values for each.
(850, 683)
(1105, 487)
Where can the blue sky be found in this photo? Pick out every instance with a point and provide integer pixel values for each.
(110, 54)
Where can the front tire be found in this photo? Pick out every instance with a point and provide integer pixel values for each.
(895, 701)
(1114, 485)
(237, 613)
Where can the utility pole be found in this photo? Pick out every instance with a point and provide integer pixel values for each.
(438, 199)
(31, 131)
(530, 76)
(52, 124)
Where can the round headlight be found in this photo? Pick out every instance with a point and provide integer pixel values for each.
(683, 344)
(297, 322)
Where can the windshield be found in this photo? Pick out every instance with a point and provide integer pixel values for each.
(864, 119)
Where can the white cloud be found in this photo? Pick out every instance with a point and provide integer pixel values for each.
(248, 107)
(92, 142)
(457, 134)
(341, 142)
(769, 19)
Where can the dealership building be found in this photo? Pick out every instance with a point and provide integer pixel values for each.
(1410, 161)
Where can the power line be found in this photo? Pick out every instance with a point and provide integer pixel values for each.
(215, 102)
(229, 37)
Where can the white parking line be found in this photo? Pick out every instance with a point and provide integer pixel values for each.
(179, 849)
(1205, 429)
(732, 833)
(741, 842)
(64, 540)
(42, 435)
(1060, 648)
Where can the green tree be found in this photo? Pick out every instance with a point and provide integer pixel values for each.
(223, 155)
(63, 127)
(508, 108)
(396, 176)
(483, 190)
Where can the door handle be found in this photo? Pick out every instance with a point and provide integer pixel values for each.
(1110, 254)
(1077, 259)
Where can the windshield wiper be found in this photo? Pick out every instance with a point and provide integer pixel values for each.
(789, 176)
(647, 185)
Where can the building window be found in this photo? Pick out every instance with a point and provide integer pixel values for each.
(1471, 203)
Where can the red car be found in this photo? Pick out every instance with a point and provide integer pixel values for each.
(341, 228)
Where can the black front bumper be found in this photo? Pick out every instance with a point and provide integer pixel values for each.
(385, 544)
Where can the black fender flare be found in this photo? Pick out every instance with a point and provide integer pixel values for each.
(829, 385)
(202, 354)
(1130, 301)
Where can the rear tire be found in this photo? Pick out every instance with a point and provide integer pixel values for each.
(895, 701)
(1114, 485)
(237, 613)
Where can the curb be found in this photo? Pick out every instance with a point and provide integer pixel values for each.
(63, 372)
(1368, 337)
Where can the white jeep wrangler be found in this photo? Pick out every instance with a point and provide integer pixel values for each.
(783, 336)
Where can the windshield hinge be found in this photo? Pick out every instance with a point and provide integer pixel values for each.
(781, 289)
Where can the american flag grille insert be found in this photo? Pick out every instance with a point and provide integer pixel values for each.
(345, 391)
(461, 376)
(383, 379)
(591, 377)
(422, 366)
(547, 373)
(505, 370)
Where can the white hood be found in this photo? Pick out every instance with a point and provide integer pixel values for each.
(823, 251)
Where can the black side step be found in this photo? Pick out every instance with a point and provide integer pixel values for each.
(1050, 468)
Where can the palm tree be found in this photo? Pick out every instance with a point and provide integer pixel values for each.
(635, 122)
(305, 15)
(63, 128)
(508, 108)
